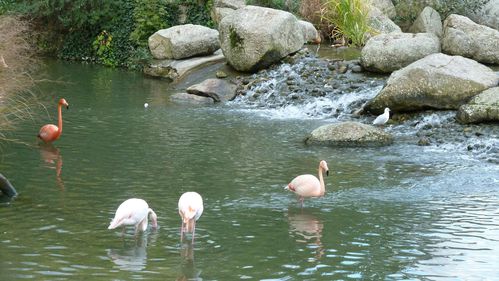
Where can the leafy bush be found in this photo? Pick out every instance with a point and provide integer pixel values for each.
(349, 18)
(112, 33)
(149, 16)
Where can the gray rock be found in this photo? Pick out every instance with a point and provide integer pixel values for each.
(185, 98)
(253, 38)
(437, 81)
(390, 52)
(428, 21)
(380, 22)
(482, 108)
(183, 41)
(310, 33)
(386, 7)
(217, 89)
(174, 70)
(349, 134)
(465, 38)
(488, 15)
(232, 4)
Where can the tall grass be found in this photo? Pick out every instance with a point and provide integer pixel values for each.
(349, 18)
(16, 62)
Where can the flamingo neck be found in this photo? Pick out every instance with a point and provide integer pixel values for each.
(59, 124)
(321, 180)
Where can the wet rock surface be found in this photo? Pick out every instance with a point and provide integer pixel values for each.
(308, 87)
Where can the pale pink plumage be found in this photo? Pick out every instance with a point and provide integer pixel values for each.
(190, 208)
(309, 185)
(134, 212)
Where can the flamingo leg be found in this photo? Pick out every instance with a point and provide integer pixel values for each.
(301, 201)
(193, 229)
(181, 232)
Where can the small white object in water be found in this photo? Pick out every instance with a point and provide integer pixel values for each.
(383, 118)
(146, 105)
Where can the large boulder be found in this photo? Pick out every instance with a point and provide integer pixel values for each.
(222, 8)
(437, 81)
(310, 33)
(484, 107)
(385, 6)
(183, 41)
(349, 134)
(185, 98)
(428, 21)
(390, 52)
(465, 38)
(253, 38)
(381, 23)
(174, 70)
(488, 15)
(218, 89)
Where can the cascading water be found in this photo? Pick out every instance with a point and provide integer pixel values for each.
(313, 88)
(310, 88)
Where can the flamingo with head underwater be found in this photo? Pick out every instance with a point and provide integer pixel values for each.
(308, 185)
(51, 132)
(134, 212)
(190, 208)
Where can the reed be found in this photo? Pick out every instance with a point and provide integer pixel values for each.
(16, 63)
(349, 18)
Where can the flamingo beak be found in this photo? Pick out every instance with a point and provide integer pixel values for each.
(327, 173)
(286, 187)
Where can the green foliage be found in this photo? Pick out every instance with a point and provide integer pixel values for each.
(198, 13)
(349, 18)
(112, 33)
(149, 16)
(103, 48)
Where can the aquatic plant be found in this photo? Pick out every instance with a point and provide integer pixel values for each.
(349, 18)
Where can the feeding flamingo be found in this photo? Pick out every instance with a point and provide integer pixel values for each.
(383, 118)
(309, 185)
(190, 208)
(50, 132)
(134, 212)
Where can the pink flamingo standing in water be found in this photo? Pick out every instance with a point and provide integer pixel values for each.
(51, 132)
(309, 185)
(190, 208)
(134, 212)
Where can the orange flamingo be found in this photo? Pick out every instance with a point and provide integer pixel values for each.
(190, 208)
(309, 185)
(51, 132)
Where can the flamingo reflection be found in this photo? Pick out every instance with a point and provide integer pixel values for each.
(133, 255)
(53, 160)
(188, 270)
(307, 227)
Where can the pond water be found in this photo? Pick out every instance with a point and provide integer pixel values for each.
(403, 212)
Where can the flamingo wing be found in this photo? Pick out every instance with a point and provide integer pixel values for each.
(305, 185)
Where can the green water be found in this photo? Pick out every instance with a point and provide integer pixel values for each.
(398, 213)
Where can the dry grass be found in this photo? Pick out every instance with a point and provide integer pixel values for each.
(16, 63)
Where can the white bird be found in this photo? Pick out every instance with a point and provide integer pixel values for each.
(190, 208)
(383, 118)
(134, 212)
(146, 105)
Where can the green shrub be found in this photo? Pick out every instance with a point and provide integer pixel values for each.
(112, 33)
(349, 18)
(149, 16)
